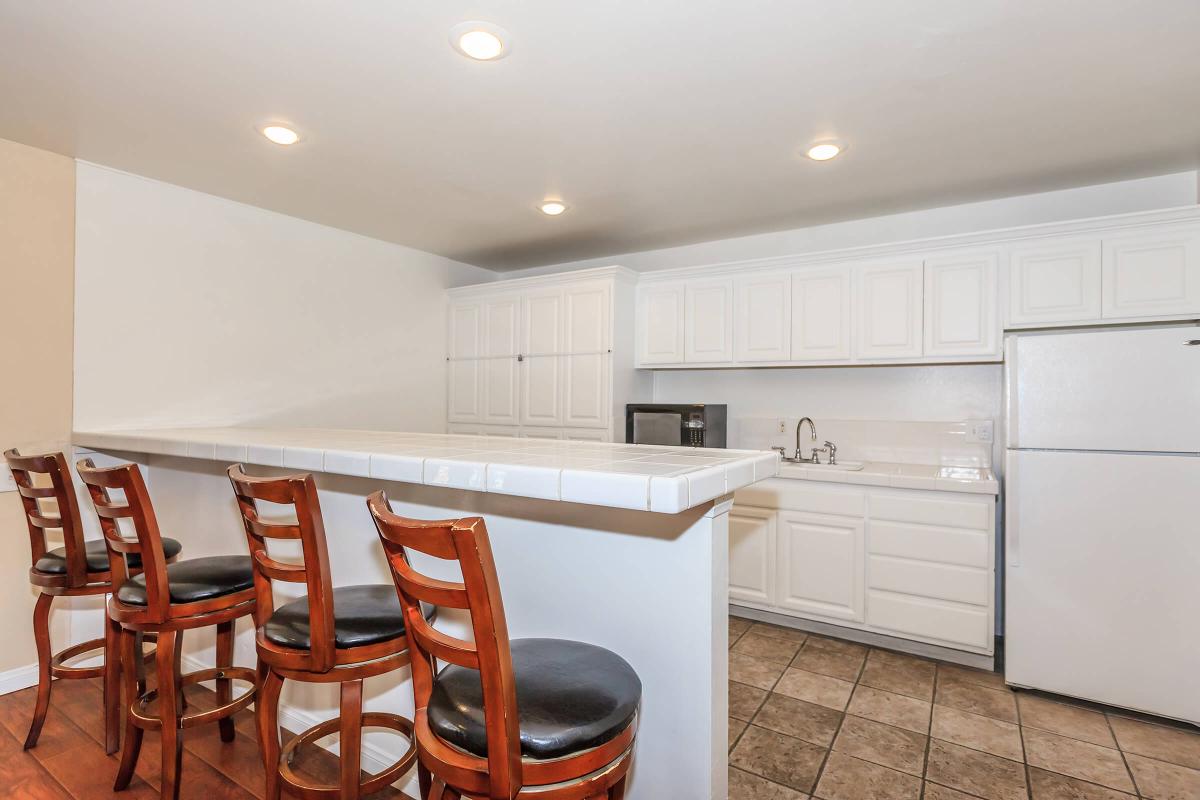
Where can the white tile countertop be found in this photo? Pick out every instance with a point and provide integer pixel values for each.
(974, 480)
(642, 477)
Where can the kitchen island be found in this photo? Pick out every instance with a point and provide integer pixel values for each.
(624, 546)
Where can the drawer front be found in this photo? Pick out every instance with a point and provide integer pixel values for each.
(951, 513)
(939, 581)
(804, 496)
(934, 620)
(964, 546)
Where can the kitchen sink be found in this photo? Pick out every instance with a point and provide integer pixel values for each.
(846, 466)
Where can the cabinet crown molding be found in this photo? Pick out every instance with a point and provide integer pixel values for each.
(618, 273)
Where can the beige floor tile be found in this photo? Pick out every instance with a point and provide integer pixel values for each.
(744, 786)
(757, 672)
(1082, 760)
(954, 673)
(978, 700)
(890, 708)
(1064, 719)
(738, 626)
(847, 778)
(772, 648)
(977, 732)
(1052, 786)
(778, 758)
(813, 688)
(980, 774)
(1164, 743)
(1158, 780)
(840, 646)
(838, 663)
(882, 744)
(894, 672)
(808, 721)
(744, 701)
(779, 632)
(935, 792)
(736, 726)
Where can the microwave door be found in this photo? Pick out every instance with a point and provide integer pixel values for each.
(658, 427)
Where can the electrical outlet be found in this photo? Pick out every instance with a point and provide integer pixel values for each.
(980, 431)
(7, 484)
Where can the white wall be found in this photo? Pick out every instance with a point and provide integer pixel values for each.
(193, 309)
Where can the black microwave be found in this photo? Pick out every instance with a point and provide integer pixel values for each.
(688, 425)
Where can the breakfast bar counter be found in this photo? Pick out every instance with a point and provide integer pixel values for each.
(623, 546)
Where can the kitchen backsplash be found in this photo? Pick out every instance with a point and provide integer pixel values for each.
(943, 443)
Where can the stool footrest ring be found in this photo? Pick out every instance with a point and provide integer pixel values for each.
(59, 671)
(142, 717)
(370, 719)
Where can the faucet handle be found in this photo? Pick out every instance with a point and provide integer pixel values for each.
(832, 449)
(781, 450)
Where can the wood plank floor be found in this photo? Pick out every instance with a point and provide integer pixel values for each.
(69, 761)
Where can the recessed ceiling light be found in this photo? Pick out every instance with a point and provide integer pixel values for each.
(280, 135)
(552, 208)
(824, 151)
(481, 41)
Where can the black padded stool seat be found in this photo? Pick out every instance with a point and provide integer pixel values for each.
(96, 555)
(361, 615)
(571, 696)
(195, 579)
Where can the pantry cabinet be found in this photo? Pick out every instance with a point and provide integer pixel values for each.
(890, 310)
(539, 354)
(911, 563)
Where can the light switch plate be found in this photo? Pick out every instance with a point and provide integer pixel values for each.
(980, 431)
(7, 484)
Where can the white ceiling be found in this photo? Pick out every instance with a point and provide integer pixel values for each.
(660, 122)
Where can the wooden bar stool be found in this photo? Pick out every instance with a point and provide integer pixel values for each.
(545, 718)
(76, 569)
(340, 635)
(168, 600)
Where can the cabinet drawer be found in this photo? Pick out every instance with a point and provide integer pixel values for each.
(967, 547)
(783, 493)
(940, 581)
(950, 513)
(936, 620)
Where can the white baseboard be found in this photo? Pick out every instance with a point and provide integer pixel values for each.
(14, 680)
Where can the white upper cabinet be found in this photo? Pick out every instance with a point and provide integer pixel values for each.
(1152, 274)
(764, 317)
(889, 310)
(542, 322)
(660, 323)
(587, 328)
(960, 305)
(821, 314)
(465, 330)
(708, 321)
(1054, 281)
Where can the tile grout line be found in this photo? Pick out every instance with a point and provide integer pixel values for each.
(1133, 780)
(845, 713)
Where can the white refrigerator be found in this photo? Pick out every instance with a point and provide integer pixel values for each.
(1102, 516)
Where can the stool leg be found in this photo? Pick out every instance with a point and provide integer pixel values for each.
(170, 705)
(112, 686)
(423, 780)
(140, 665)
(131, 656)
(351, 739)
(41, 637)
(266, 712)
(617, 792)
(224, 685)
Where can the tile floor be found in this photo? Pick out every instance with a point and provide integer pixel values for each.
(823, 718)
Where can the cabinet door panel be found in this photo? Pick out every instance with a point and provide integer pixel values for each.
(501, 324)
(1054, 281)
(821, 303)
(821, 565)
(708, 322)
(542, 323)
(889, 310)
(588, 326)
(764, 318)
(1152, 274)
(960, 305)
(587, 399)
(464, 392)
(752, 550)
(465, 330)
(499, 390)
(660, 323)
(541, 390)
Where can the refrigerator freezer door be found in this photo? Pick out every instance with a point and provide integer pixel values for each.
(1126, 390)
(1103, 581)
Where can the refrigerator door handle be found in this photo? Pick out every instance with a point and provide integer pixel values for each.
(1012, 531)
(1192, 342)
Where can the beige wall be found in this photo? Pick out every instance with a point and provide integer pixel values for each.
(37, 252)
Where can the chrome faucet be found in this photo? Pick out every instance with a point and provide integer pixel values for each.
(812, 426)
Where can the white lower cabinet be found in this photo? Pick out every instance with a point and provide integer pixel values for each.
(910, 563)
